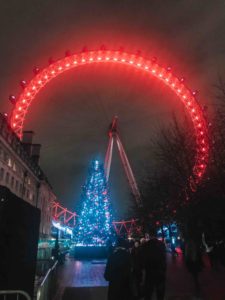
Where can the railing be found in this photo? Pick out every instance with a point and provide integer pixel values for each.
(48, 285)
(19, 295)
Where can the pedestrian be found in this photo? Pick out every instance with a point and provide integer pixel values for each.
(154, 267)
(142, 241)
(136, 270)
(147, 237)
(193, 260)
(117, 272)
(173, 248)
(109, 246)
(210, 246)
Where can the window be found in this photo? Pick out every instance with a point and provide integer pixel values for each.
(7, 177)
(30, 196)
(12, 181)
(9, 163)
(17, 184)
(2, 172)
(14, 167)
(21, 188)
(5, 157)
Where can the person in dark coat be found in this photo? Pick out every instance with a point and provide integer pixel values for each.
(193, 260)
(117, 272)
(109, 247)
(154, 267)
(136, 270)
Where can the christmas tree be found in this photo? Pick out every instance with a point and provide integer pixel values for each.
(95, 215)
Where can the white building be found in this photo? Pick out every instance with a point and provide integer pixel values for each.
(20, 172)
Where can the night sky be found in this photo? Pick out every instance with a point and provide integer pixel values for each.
(71, 115)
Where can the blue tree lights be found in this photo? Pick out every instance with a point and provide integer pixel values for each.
(95, 215)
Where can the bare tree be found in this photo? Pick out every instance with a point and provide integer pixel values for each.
(164, 194)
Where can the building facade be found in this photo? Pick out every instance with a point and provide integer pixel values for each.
(20, 172)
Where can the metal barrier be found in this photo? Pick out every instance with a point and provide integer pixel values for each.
(19, 295)
(48, 285)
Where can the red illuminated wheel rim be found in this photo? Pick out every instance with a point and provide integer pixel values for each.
(148, 66)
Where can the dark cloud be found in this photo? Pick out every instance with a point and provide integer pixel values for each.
(71, 116)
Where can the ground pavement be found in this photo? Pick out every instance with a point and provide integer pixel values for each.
(83, 280)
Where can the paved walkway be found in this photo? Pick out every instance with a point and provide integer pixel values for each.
(83, 280)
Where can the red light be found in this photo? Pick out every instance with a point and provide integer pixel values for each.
(12, 99)
(36, 70)
(23, 84)
(71, 61)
